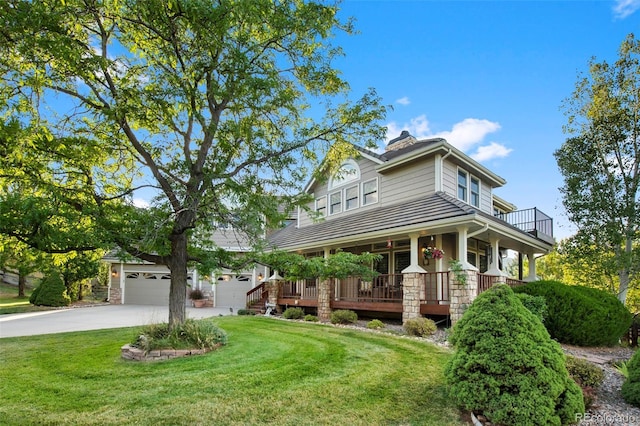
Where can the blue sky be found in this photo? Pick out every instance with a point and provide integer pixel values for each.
(489, 76)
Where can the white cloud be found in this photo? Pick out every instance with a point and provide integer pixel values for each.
(403, 101)
(139, 202)
(468, 132)
(464, 135)
(493, 150)
(624, 8)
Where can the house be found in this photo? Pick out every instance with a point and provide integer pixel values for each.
(420, 205)
(144, 283)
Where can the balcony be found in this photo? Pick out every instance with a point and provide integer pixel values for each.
(531, 221)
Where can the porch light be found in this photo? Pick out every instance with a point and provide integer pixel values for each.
(114, 272)
(260, 277)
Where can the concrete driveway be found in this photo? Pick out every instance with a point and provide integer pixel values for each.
(94, 318)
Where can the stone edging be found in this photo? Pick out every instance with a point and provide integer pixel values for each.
(130, 353)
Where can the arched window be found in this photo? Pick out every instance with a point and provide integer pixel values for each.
(348, 172)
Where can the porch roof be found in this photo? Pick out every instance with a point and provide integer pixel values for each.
(437, 206)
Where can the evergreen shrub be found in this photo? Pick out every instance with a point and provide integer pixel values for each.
(343, 316)
(293, 313)
(420, 327)
(311, 318)
(536, 304)
(375, 324)
(50, 292)
(580, 315)
(587, 375)
(245, 312)
(631, 386)
(506, 366)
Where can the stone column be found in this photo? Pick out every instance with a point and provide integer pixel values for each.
(324, 300)
(410, 296)
(115, 296)
(462, 294)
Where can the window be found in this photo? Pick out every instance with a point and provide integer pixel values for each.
(348, 172)
(474, 198)
(462, 185)
(370, 192)
(321, 206)
(351, 198)
(336, 203)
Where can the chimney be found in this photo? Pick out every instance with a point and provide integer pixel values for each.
(404, 140)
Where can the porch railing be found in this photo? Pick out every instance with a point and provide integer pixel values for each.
(383, 288)
(532, 221)
(485, 282)
(434, 288)
(257, 294)
(302, 289)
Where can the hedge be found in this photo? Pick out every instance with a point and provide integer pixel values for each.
(506, 366)
(580, 315)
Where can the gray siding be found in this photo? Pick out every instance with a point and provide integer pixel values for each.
(411, 181)
(450, 185)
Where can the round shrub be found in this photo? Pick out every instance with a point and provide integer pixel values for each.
(506, 366)
(375, 324)
(535, 304)
(342, 316)
(192, 334)
(631, 386)
(579, 315)
(311, 318)
(245, 312)
(293, 313)
(420, 327)
(586, 375)
(51, 292)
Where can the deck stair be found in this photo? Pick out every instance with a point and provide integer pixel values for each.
(257, 298)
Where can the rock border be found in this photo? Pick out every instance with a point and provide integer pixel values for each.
(131, 353)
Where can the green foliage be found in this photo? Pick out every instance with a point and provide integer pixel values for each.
(537, 305)
(600, 163)
(51, 292)
(586, 375)
(196, 294)
(507, 367)
(460, 276)
(580, 315)
(245, 312)
(583, 372)
(375, 324)
(623, 368)
(210, 100)
(343, 316)
(311, 318)
(293, 313)
(631, 386)
(420, 327)
(201, 334)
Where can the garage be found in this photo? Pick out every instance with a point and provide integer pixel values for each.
(231, 290)
(147, 286)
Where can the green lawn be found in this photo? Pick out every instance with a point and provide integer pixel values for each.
(271, 372)
(10, 303)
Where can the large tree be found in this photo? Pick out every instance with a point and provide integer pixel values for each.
(600, 162)
(219, 108)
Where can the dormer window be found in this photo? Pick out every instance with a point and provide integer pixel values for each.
(348, 172)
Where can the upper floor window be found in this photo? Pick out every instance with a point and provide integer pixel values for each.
(474, 191)
(351, 197)
(463, 178)
(321, 206)
(348, 172)
(370, 192)
(335, 203)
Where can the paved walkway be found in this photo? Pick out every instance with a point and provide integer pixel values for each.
(94, 318)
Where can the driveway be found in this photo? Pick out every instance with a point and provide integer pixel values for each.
(93, 318)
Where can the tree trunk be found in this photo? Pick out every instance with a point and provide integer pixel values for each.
(22, 283)
(178, 289)
(623, 276)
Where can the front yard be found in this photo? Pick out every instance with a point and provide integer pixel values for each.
(276, 372)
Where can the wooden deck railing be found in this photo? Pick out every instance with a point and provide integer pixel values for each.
(302, 289)
(485, 282)
(383, 288)
(435, 288)
(257, 294)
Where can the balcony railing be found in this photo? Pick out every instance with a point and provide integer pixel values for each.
(532, 221)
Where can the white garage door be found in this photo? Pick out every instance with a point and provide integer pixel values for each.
(231, 290)
(147, 288)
